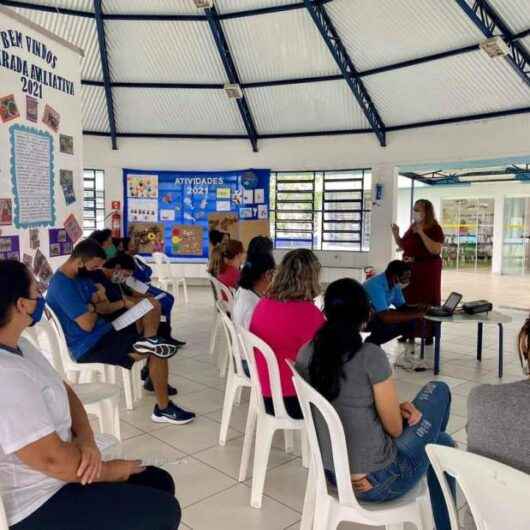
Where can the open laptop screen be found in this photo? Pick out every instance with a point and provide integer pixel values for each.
(452, 302)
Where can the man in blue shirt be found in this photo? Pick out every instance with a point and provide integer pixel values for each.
(392, 317)
(91, 339)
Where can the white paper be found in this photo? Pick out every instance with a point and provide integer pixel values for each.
(33, 177)
(160, 296)
(259, 196)
(132, 315)
(136, 285)
(248, 197)
(142, 211)
(263, 212)
(223, 206)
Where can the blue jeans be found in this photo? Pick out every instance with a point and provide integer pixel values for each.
(411, 464)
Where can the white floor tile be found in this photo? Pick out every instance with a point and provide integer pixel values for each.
(195, 481)
(150, 450)
(231, 510)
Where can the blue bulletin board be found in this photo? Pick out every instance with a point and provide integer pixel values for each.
(168, 211)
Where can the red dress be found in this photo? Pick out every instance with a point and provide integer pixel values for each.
(426, 283)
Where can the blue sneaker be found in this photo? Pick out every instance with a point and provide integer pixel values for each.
(172, 414)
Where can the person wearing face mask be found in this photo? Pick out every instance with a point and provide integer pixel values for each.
(111, 282)
(422, 247)
(104, 238)
(51, 470)
(391, 315)
(92, 339)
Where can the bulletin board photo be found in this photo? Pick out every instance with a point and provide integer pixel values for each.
(172, 211)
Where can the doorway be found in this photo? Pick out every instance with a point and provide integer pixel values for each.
(516, 242)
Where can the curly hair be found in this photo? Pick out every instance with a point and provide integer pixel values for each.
(523, 343)
(297, 277)
(227, 250)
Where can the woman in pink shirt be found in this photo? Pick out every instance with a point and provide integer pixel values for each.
(286, 319)
(225, 262)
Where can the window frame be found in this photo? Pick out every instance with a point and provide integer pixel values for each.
(91, 223)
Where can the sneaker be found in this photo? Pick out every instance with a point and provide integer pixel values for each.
(148, 385)
(172, 414)
(155, 346)
(410, 363)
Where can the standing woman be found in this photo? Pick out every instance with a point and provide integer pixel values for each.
(422, 246)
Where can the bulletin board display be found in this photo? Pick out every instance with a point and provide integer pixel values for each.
(168, 211)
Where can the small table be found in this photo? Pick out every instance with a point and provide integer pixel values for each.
(491, 318)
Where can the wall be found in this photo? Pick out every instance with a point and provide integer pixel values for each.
(469, 141)
(38, 146)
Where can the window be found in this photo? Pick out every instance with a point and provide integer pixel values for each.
(93, 200)
(321, 210)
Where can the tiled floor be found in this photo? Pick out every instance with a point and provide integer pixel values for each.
(206, 474)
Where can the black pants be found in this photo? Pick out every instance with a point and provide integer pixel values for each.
(145, 502)
(292, 407)
(381, 333)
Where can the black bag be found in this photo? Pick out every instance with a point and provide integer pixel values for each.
(477, 306)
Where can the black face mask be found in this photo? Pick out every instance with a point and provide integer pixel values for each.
(83, 272)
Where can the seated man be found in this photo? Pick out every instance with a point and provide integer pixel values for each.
(142, 273)
(391, 317)
(110, 284)
(92, 339)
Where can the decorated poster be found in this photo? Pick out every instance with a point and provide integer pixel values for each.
(186, 240)
(188, 199)
(40, 140)
(6, 212)
(148, 236)
(32, 172)
(67, 184)
(60, 242)
(72, 228)
(10, 247)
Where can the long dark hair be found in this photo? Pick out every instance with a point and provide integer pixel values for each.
(347, 308)
(15, 284)
(254, 268)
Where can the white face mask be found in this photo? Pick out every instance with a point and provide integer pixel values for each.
(418, 217)
(117, 277)
(403, 285)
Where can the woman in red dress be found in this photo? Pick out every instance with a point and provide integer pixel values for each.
(422, 246)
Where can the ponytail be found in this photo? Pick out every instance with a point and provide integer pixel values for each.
(215, 264)
(347, 308)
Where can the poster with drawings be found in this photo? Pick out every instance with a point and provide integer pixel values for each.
(188, 199)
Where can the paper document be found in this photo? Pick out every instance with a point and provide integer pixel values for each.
(137, 285)
(132, 315)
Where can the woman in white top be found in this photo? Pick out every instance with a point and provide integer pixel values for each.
(52, 476)
(256, 276)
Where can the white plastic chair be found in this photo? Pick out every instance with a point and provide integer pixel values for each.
(100, 399)
(324, 511)
(223, 294)
(236, 379)
(498, 495)
(89, 372)
(264, 425)
(166, 278)
(3, 517)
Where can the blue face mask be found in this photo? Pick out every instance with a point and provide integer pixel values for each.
(39, 310)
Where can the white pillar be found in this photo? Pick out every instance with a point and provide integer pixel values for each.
(384, 213)
(498, 234)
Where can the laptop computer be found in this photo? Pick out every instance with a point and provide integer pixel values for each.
(448, 308)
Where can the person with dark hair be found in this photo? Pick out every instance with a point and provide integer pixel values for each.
(259, 245)
(286, 318)
(142, 273)
(391, 317)
(104, 238)
(422, 246)
(225, 261)
(79, 304)
(256, 277)
(216, 237)
(52, 472)
(385, 439)
(118, 243)
(111, 281)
